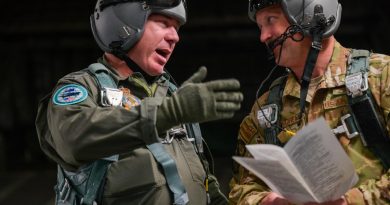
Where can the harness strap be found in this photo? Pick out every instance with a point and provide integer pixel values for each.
(96, 178)
(71, 185)
(170, 171)
(275, 95)
(366, 116)
(311, 61)
(194, 132)
(101, 73)
(157, 149)
(193, 129)
(365, 110)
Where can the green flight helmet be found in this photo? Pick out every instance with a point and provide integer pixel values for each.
(119, 24)
(301, 12)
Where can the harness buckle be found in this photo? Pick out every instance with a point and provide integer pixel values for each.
(110, 97)
(179, 132)
(65, 191)
(316, 45)
(268, 115)
(346, 127)
(356, 84)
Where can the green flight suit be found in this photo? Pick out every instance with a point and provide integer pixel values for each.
(326, 97)
(77, 134)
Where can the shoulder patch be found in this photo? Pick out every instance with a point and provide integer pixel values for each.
(247, 130)
(70, 94)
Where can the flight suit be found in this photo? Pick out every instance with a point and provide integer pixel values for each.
(326, 97)
(75, 130)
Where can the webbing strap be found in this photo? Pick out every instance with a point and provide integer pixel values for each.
(193, 129)
(311, 61)
(170, 172)
(100, 72)
(96, 178)
(366, 112)
(275, 96)
(72, 185)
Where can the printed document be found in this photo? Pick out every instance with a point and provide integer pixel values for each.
(311, 167)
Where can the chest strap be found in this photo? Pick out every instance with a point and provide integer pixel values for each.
(157, 149)
(194, 133)
(364, 109)
(193, 129)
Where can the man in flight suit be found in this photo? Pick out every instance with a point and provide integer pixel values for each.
(142, 120)
(288, 28)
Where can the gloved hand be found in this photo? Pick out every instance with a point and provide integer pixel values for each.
(199, 102)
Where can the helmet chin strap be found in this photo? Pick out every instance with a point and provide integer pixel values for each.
(119, 53)
(311, 61)
(289, 33)
(320, 23)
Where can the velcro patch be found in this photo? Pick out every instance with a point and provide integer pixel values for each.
(70, 94)
(247, 130)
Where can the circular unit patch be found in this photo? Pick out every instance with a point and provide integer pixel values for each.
(70, 94)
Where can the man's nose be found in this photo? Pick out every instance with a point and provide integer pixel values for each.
(265, 35)
(172, 36)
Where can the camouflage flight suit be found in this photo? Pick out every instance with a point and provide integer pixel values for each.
(327, 98)
(77, 134)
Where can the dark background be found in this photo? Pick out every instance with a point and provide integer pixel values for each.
(41, 41)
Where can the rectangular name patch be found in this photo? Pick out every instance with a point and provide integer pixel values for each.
(335, 103)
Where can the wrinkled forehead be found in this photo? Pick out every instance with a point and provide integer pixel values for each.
(274, 10)
(163, 17)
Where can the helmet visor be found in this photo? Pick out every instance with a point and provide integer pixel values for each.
(159, 4)
(163, 3)
(255, 5)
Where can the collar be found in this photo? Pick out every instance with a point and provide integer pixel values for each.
(137, 79)
(334, 75)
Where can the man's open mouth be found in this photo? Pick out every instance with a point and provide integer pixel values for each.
(163, 52)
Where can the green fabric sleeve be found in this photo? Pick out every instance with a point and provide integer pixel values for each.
(84, 132)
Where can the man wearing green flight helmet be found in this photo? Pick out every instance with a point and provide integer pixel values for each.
(348, 87)
(120, 130)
